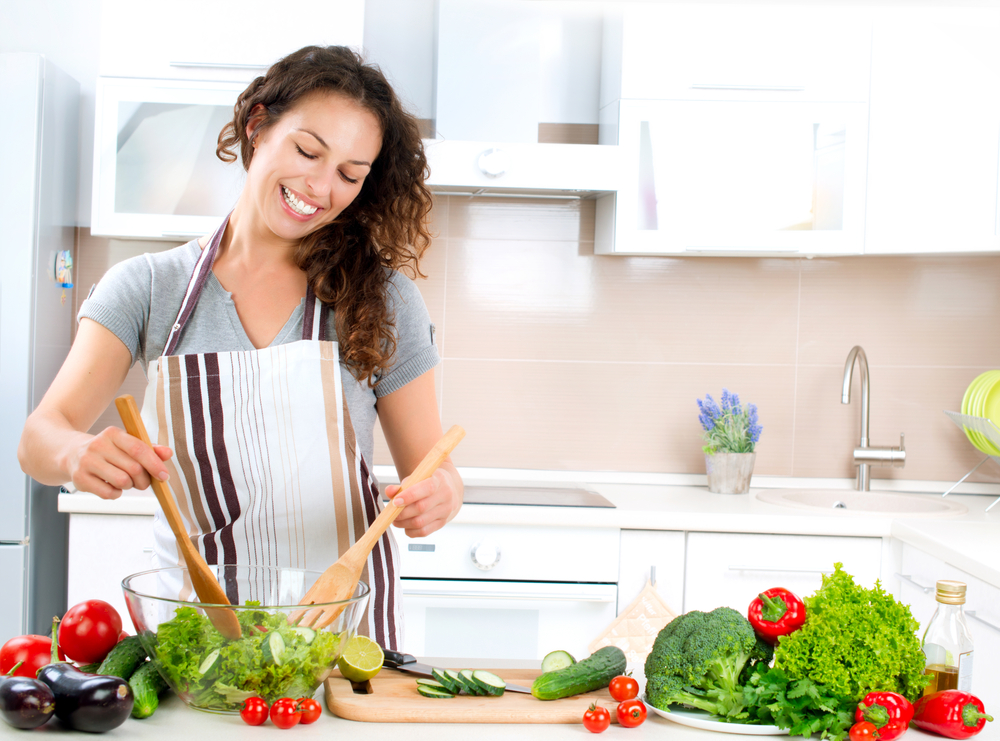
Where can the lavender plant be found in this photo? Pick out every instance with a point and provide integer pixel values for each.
(729, 428)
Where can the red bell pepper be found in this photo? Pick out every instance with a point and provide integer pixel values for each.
(775, 613)
(951, 713)
(890, 712)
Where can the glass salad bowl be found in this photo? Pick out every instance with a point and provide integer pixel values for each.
(273, 658)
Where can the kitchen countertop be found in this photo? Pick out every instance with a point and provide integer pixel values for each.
(969, 541)
(173, 720)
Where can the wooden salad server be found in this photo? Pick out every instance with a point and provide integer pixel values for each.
(339, 581)
(205, 584)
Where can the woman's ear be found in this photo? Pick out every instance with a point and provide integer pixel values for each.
(257, 116)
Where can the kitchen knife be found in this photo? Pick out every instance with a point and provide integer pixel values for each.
(409, 664)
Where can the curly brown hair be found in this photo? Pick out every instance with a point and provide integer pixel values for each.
(348, 261)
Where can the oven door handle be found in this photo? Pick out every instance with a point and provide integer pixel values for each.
(470, 594)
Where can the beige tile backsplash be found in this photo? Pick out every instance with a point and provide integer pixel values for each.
(559, 359)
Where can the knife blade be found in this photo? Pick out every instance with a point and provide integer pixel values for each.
(409, 664)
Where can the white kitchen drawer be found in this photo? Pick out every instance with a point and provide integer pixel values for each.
(103, 550)
(919, 574)
(645, 550)
(733, 568)
(550, 554)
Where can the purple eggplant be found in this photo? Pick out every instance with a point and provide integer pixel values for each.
(25, 702)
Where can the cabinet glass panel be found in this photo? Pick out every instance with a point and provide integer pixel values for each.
(166, 161)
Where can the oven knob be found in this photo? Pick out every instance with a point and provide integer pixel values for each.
(485, 555)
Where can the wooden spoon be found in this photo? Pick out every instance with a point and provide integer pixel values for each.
(205, 584)
(338, 582)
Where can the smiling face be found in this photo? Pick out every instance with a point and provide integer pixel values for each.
(310, 164)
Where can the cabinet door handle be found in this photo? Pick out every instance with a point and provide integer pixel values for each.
(782, 571)
(768, 88)
(910, 580)
(219, 65)
(972, 614)
(508, 595)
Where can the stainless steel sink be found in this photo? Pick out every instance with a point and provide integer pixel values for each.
(848, 501)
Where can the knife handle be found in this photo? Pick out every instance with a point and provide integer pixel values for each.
(395, 659)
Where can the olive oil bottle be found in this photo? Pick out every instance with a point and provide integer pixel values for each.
(947, 642)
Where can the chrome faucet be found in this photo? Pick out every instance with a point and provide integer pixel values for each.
(865, 455)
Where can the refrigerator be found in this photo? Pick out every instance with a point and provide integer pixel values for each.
(39, 136)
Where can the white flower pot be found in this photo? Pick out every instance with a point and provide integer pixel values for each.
(729, 473)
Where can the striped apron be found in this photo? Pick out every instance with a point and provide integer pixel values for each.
(266, 470)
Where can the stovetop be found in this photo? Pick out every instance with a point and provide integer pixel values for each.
(536, 497)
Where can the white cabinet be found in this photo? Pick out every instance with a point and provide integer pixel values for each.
(196, 40)
(156, 174)
(743, 130)
(642, 552)
(934, 131)
(733, 568)
(918, 576)
(103, 550)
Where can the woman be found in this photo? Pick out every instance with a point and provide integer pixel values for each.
(264, 434)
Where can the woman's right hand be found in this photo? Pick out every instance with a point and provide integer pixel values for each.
(113, 460)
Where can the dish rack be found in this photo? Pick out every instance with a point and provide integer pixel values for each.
(984, 427)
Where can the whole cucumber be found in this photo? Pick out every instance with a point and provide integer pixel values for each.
(594, 672)
(123, 659)
(147, 684)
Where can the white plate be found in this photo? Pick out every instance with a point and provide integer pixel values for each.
(706, 721)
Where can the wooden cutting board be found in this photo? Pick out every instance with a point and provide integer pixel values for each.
(394, 699)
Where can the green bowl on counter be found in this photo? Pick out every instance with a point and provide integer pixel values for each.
(273, 658)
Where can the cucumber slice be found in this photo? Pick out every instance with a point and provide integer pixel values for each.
(556, 660)
(209, 662)
(489, 682)
(441, 675)
(468, 683)
(455, 679)
(431, 692)
(433, 684)
(273, 648)
(308, 634)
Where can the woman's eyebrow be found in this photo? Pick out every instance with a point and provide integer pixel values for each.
(325, 146)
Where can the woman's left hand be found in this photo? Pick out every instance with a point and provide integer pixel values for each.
(430, 504)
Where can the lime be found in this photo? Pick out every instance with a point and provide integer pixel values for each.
(361, 660)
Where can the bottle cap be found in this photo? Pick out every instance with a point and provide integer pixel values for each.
(950, 592)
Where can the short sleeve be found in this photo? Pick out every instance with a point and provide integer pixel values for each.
(416, 352)
(120, 302)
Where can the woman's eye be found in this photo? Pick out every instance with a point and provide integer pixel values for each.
(304, 154)
(349, 180)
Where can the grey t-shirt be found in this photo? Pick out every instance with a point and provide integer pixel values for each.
(138, 300)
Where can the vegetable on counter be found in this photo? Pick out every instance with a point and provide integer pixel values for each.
(124, 658)
(86, 702)
(776, 613)
(595, 671)
(28, 653)
(854, 641)
(623, 687)
(700, 660)
(285, 713)
(889, 712)
(89, 631)
(147, 685)
(951, 713)
(631, 713)
(24, 701)
(596, 719)
(254, 711)
(863, 731)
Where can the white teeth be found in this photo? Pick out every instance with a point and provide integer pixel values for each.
(296, 205)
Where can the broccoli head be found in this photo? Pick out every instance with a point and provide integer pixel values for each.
(701, 660)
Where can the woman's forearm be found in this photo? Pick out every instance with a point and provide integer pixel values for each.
(46, 447)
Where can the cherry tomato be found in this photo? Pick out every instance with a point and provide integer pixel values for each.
(254, 711)
(596, 719)
(285, 713)
(31, 651)
(89, 630)
(863, 731)
(631, 713)
(623, 688)
(310, 709)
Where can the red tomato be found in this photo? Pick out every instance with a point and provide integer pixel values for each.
(863, 731)
(89, 630)
(285, 713)
(596, 719)
(623, 688)
(254, 711)
(31, 651)
(631, 713)
(310, 709)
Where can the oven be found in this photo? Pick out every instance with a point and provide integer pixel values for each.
(484, 591)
